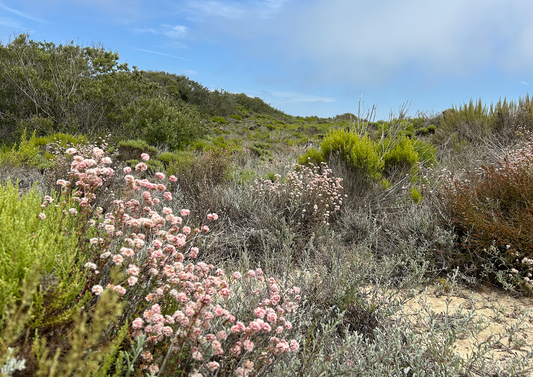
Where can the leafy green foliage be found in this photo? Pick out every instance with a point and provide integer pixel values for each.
(397, 154)
(25, 154)
(26, 239)
(220, 120)
(358, 151)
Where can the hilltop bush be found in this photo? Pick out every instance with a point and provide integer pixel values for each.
(491, 214)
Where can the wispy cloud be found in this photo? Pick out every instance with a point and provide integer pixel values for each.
(160, 53)
(175, 32)
(20, 14)
(230, 10)
(10, 23)
(524, 83)
(292, 97)
(235, 10)
(144, 30)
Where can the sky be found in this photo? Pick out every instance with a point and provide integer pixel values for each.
(308, 57)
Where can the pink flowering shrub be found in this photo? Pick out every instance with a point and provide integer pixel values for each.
(177, 302)
(308, 195)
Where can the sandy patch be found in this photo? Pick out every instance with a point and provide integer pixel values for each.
(488, 320)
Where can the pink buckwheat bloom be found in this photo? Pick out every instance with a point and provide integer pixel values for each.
(260, 312)
(137, 323)
(185, 212)
(294, 345)
(237, 275)
(172, 178)
(212, 366)
(42, 216)
(221, 335)
(212, 216)
(145, 156)
(248, 345)
(127, 170)
(167, 331)
(132, 280)
(141, 166)
(97, 290)
(118, 259)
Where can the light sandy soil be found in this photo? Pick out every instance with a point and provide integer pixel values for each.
(494, 313)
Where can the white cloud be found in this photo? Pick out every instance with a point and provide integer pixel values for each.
(175, 32)
(361, 42)
(20, 14)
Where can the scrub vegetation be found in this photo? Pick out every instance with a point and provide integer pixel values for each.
(152, 227)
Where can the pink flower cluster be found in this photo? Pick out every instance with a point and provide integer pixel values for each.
(182, 300)
(310, 190)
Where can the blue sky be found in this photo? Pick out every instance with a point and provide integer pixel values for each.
(308, 57)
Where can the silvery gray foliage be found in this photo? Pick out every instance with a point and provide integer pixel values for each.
(12, 364)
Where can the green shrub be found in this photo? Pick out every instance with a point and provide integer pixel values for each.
(261, 149)
(62, 139)
(236, 117)
(415, 194)
(491, 214)
(163, 122)
(26, 239)
(357, 151)
(397, 154)
(166, 157)
(220, 120)
(312, 156)
(25, 154)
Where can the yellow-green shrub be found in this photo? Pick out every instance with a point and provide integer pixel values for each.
(397, 153)
(26, 239)
(358, 151)
(23, 154)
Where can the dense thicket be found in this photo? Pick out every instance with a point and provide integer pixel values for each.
(69, 88)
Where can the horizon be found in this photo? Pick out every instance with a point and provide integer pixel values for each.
(313, 58)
